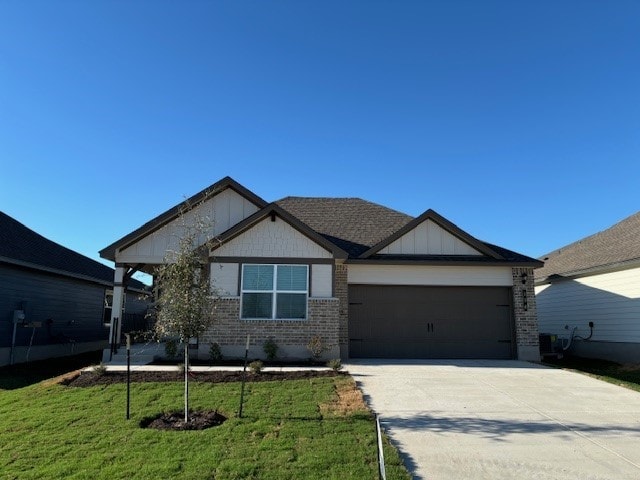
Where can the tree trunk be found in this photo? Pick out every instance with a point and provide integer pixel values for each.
(186, 380)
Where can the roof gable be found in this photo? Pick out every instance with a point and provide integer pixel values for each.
(614, 248)
(431, 234)
(170, 215)
(272, 212)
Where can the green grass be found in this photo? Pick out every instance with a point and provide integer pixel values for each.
(624, 375)
(289, 430)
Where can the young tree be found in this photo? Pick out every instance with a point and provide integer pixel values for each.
(185, 298)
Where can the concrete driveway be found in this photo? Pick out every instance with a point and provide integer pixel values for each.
(485, 419)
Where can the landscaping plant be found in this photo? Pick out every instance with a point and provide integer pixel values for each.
(184, 305)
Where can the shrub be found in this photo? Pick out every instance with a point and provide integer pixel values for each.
(270, 349)
(100, 369)
(316, 346)
(256, 366)
(335, 364)
(215, 354)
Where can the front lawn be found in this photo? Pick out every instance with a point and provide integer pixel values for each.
(315, 428)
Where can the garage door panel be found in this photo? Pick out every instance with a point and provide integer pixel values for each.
(430, 322)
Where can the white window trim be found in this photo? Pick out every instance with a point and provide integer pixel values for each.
(274, 292)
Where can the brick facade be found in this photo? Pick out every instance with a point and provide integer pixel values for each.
(341, 292)
(291, 336)
(524, 311)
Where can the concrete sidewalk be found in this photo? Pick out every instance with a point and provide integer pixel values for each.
(503, 420)
(202, 369)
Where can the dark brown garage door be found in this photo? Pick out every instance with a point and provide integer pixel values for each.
(430, 322)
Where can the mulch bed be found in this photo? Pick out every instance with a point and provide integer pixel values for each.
(89, 379)
(199, 420)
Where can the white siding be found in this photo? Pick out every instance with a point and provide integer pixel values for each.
(223, 211)
(429, 275)
(429, 238)
(321, 280)
(271, 239)
(224, 278)
(610, 300)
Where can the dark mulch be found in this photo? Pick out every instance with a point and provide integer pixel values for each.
(175, 421)
(89, 379)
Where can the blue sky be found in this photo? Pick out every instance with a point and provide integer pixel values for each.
(518, 121)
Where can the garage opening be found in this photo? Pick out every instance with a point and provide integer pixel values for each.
(430, 322)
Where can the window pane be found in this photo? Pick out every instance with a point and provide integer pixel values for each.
(292, 277)
(257, 277)
(291, 305)
(256, 305)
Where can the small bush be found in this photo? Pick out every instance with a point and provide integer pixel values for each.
(270, 349)
(181, 368)
(316, 347)
(335, 364)
(100, 369)
(171, 348)
(256, 366)
(215, 353)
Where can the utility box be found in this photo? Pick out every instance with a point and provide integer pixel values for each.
(18, 316)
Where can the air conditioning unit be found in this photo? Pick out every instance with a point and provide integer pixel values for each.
(550, 345)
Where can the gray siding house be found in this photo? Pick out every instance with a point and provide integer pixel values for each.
(52, 300)
(597, 280)
(370, 281)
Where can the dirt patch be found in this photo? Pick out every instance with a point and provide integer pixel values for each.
(347, 401)
(200, 420)
(89, 379)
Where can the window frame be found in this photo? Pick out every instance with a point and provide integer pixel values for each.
(274, 291)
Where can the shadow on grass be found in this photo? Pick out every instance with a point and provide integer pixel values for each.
(610, 371)
(24, 374)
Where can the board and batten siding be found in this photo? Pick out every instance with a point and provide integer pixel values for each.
(429, 275)
(225, 278)
(271, 239)
(428, 238)
(610, 300)
(224, 210)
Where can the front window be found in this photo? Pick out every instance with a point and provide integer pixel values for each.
(274, 291)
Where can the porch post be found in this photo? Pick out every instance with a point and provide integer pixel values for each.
(118, 302)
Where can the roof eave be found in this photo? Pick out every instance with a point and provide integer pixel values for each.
(587, 272)
(449, 262)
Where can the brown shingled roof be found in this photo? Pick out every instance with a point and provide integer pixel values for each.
(353, 224)
(615, 245)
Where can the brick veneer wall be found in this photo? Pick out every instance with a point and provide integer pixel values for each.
(341, 292)
(526, 320)
(291, 336)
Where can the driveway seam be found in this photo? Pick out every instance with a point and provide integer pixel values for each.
(567, 427)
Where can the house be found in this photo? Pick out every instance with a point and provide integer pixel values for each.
(370, 281)
(597, 280)
(53, 301)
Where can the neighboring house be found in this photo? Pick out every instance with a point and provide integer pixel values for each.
(370, 281)
(596, 279)
(53, 300)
